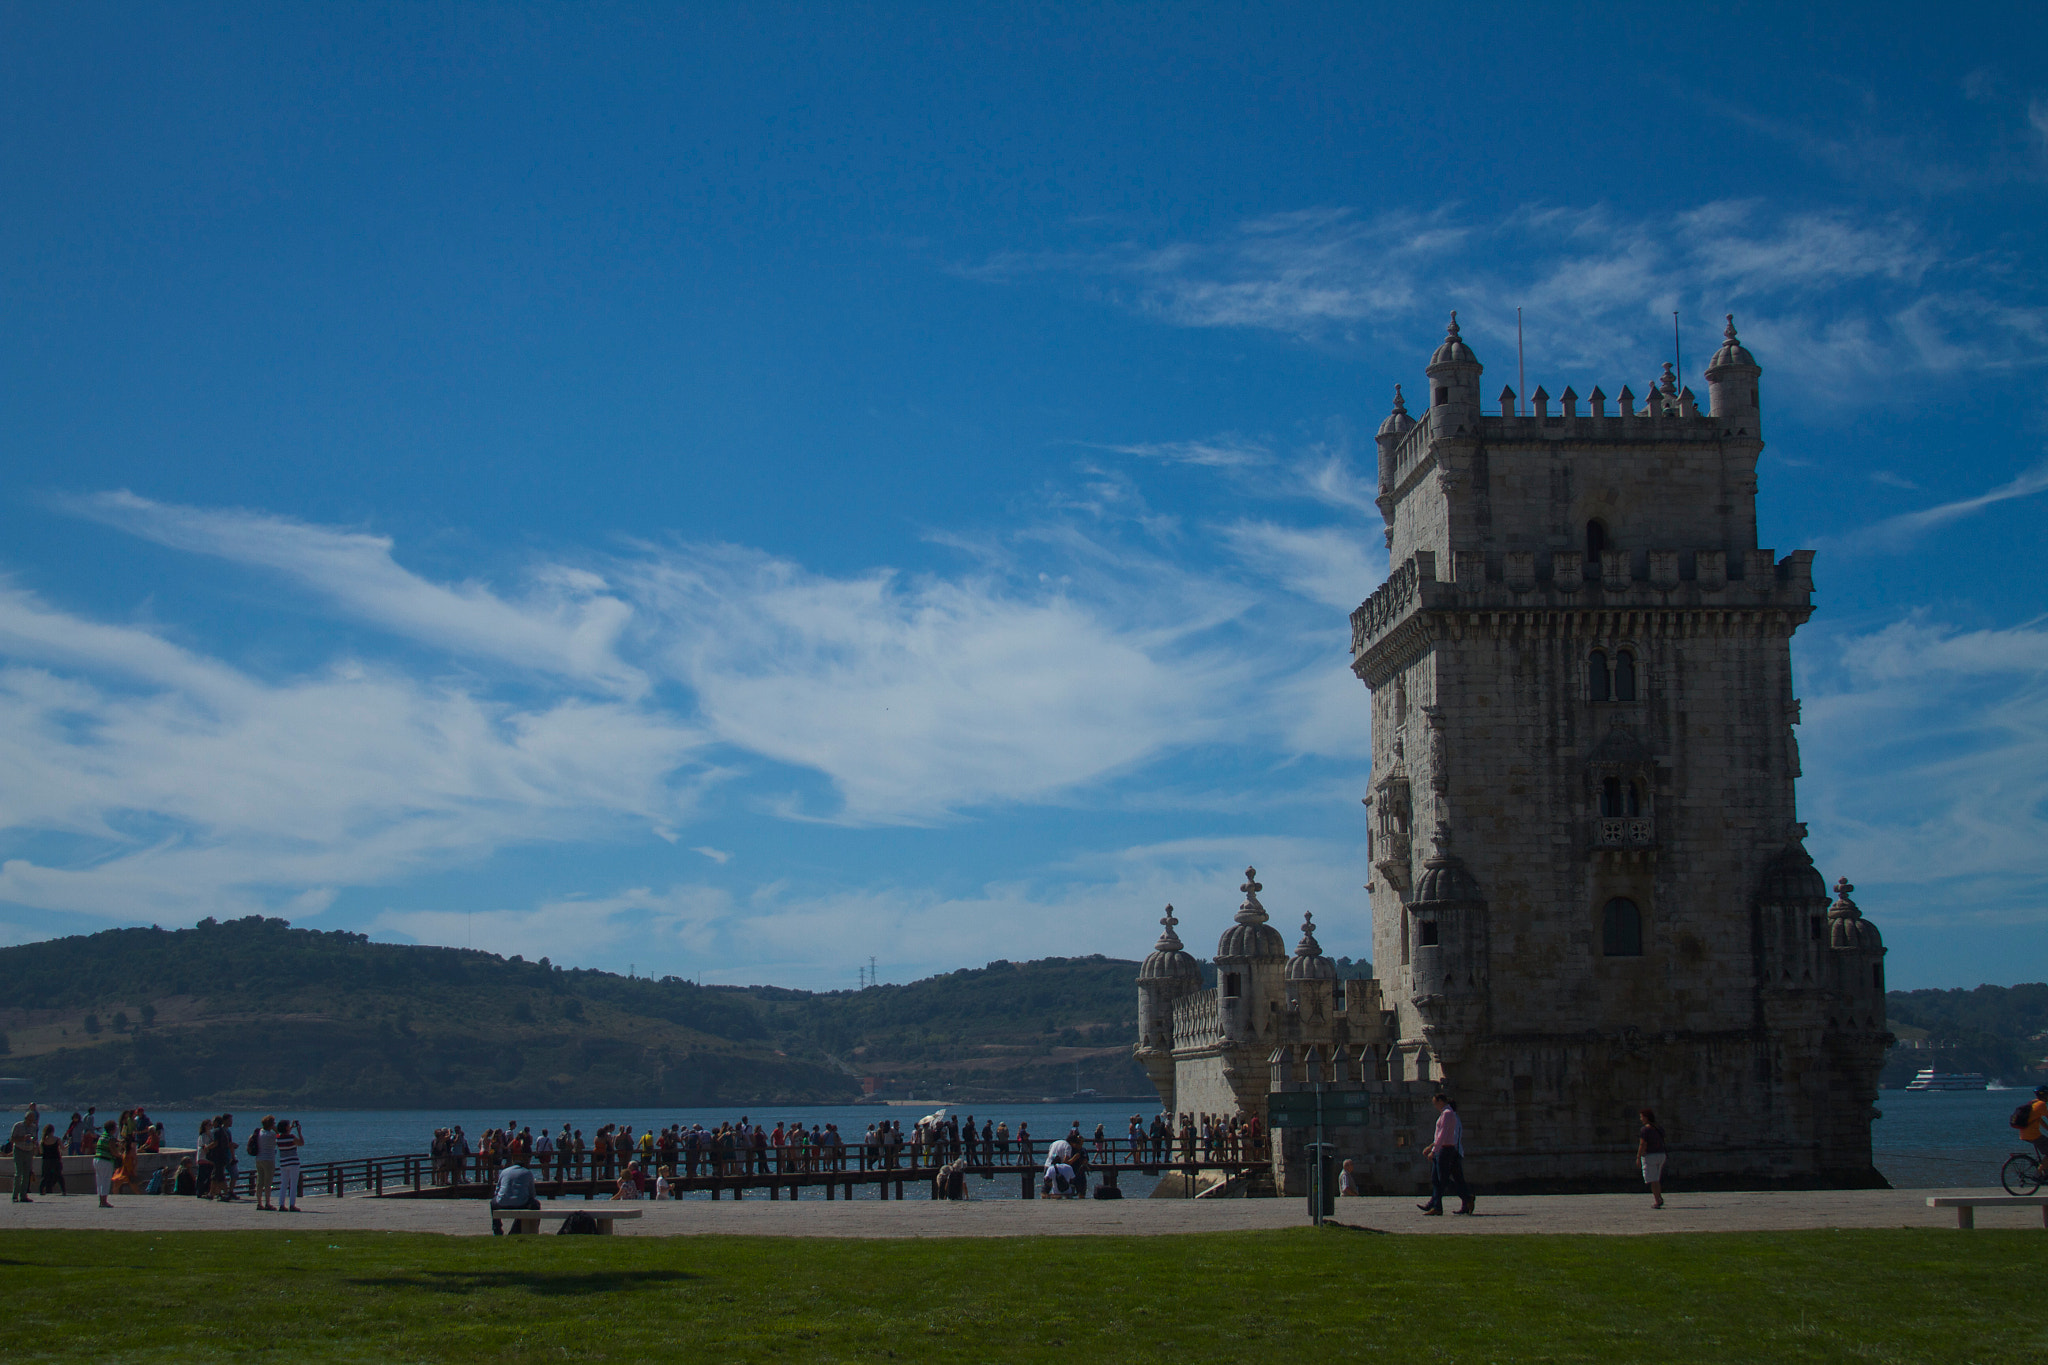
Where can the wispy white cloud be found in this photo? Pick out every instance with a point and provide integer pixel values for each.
(567, 621)
(1102, 900)
(1227, 451)
(188, 785)
(201, 788)
(1333, 565)
(1926, 753)
(1896, 532)
(919, 696)
(1836, 298)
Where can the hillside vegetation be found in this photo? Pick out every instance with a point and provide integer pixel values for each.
(255, 1011)
(2001, 1031)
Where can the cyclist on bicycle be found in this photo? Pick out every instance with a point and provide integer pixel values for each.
(2036, 1113)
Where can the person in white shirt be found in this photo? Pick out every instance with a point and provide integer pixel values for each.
(544, 1152)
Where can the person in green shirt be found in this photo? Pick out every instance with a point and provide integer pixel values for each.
(105, 1153)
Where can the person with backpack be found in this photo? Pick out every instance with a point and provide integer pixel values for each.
(2028, 1119)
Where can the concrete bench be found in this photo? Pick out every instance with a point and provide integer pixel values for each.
(1966, 1205)
(529, 1220)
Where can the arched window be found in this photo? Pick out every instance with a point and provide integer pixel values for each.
(1635, 798)
(1621, 928)
(1610, 796)
(1443, 395)
(1624, 675)
(1596, 541)
(1596, 675)
(1230, 984)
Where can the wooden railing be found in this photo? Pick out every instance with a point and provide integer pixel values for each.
(418, 1174)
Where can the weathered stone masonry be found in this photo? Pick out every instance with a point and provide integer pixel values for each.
(1590, 892)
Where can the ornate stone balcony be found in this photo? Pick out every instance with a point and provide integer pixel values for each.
(1632, 831)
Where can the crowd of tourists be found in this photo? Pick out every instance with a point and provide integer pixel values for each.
(649, 1159)
(116, 1145)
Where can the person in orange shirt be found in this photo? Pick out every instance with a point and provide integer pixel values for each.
(2036, 1113)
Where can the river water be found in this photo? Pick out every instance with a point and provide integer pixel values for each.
(1926, 1139)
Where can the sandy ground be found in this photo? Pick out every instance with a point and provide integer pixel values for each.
(1596, 1213)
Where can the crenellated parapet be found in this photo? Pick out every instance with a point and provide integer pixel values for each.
(1562, 593)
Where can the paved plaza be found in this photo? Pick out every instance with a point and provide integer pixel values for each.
(1591, 1213)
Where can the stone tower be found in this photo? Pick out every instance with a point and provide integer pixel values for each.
(1589, 887)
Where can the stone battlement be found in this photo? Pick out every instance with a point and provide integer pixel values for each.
(1562, 580)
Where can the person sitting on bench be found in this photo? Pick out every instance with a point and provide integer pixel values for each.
(515, 1191)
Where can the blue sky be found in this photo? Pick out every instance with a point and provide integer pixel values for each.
(739, 490)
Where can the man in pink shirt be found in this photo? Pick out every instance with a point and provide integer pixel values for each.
(1446, 1153)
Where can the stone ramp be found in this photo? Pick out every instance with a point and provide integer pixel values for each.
(1604, 1214)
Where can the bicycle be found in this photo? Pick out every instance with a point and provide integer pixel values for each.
(2022, 1173)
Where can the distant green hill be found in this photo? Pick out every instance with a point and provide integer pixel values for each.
(255, 1011)
(2001, 1031)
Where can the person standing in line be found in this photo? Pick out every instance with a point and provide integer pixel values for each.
(265, 1139)
(53, 1162)
(105, 1153)
(290, 1138)
(22, 1142)
(202, 1153)
(1650, 1154)
(544, 1152)
(226, 1157)
(1446, 1153)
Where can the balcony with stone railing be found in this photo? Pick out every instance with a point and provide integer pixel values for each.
(1197, 1021)
(1631, 831)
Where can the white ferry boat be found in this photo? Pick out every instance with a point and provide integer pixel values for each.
(1931, 1079)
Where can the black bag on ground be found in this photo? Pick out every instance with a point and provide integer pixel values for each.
(577, 1222)
(2021, 1116)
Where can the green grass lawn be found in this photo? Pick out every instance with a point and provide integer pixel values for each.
(1296, 1296)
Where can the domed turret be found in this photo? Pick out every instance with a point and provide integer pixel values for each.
(1446, 878)
(1732, 351)
(1732, 388)
(1308, 962)
(1249, 935)
(1846, 926)
(1398, 423)
(1454, 372)
(1169, 960)
(1453, 350)
(1792, 879)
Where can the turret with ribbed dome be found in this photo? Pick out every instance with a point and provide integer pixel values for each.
(1250, 937)
(1846, 926)
(1454, 372)
(1308, 962)
(1169, 960)
(1732, 387)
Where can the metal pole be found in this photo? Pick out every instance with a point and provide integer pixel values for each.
(1315, 1169)
(1521, 406)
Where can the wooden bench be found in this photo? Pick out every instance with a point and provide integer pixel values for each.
(529, 1220)
(1966, 1205)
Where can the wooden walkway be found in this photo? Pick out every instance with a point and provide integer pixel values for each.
(411, 1176)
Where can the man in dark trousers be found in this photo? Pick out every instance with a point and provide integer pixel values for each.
(1446, 1155)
